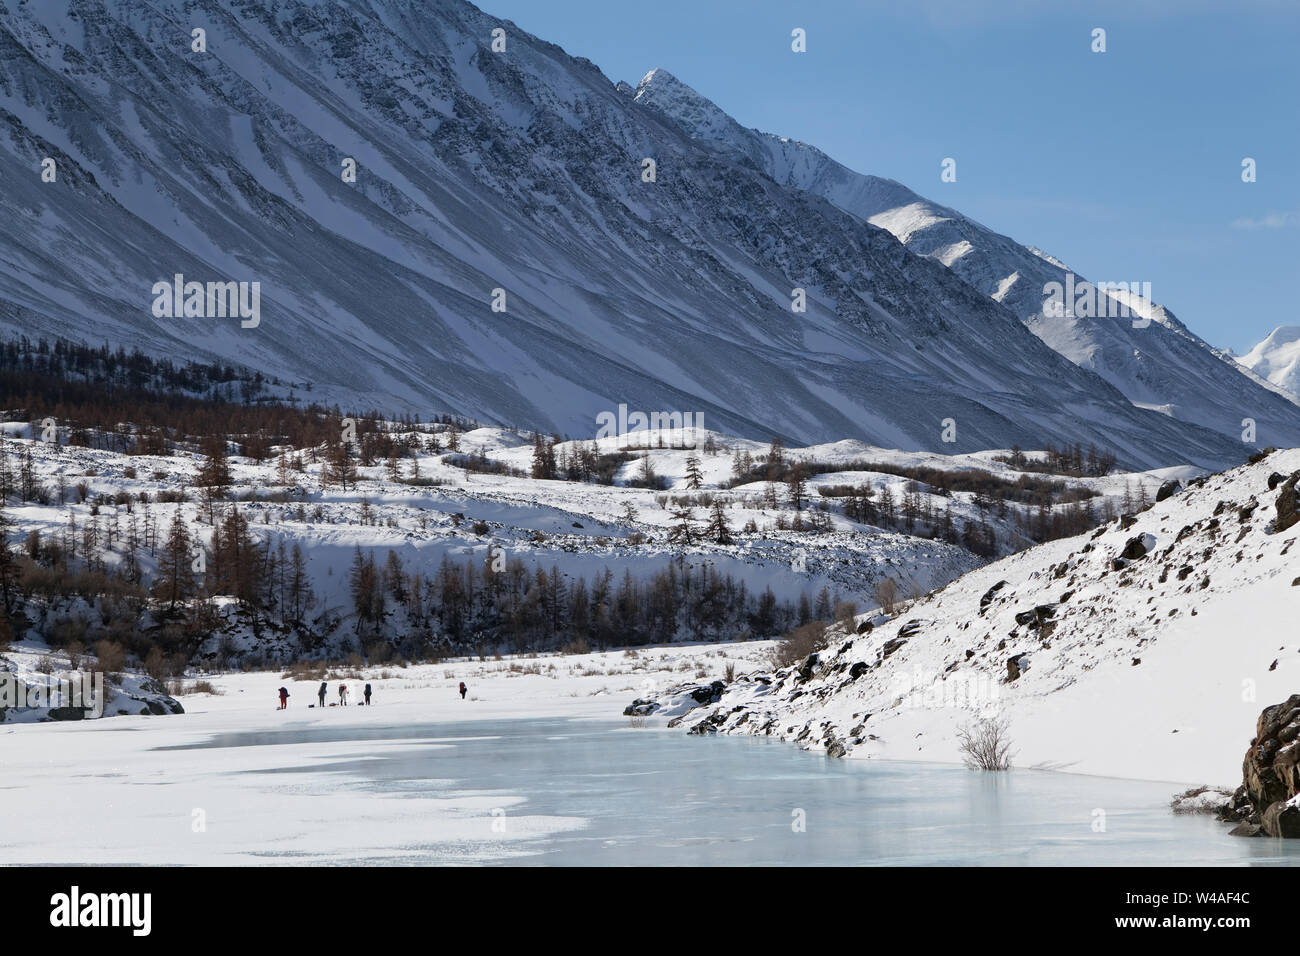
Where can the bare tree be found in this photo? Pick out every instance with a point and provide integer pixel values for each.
(985, 744)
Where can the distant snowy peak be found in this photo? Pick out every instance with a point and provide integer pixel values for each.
(1277, 358)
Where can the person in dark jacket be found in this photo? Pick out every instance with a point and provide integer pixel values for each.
(367, 692)
(284, 698)
(463, 690)
(321, 693)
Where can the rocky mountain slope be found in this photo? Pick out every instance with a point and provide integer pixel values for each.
(1143, 649)
(477, 171)
(1159, 365)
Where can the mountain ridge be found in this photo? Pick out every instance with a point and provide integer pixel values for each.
(517, 171)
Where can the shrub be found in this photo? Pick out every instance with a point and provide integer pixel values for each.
(887, 594)
(155, 663)
(985, 744)
(799, 643)
(110, 658)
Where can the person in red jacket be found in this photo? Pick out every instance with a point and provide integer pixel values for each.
(463, 690)
(284, 698)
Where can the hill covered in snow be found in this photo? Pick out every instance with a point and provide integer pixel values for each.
(1143, 649)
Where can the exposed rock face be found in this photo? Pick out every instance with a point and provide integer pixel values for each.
(1287, 511)
(1270, 775)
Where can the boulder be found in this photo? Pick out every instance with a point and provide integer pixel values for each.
(712, 693)
(1288, 509)
(1281, 820)
(1016, 665)
(892, 645)
(990, 594)
(1169, 489)
(1137, 547)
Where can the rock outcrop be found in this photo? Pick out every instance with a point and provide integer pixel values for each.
(1265, 804)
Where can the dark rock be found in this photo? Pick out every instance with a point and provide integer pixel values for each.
(640, 708)
(892, 645)
(1281, 820)
(1127, 521)
(1275, 479)
(990, 594)
(711, 693)
(910, 628)
(1246, 829)
(1016, 665)
(858, 669)
(1134, 548)
(836, 748)
(865, 627)
(1169, 489)
(1288, 510)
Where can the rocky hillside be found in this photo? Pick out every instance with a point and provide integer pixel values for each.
(1143, 649)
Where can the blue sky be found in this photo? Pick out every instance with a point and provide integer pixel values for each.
(1126, 165)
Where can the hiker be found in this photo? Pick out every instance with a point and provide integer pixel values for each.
(321, 693)
(343, 695)
(367, 695)
(463, 690)
(284, 698)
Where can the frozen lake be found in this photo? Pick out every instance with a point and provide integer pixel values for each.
(599, 792)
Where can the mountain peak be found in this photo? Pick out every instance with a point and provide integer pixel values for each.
(698, 115)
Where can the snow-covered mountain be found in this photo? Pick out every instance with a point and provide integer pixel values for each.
(1277, 358)
(477, 171)
(1159, 365)
(1145, 648)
